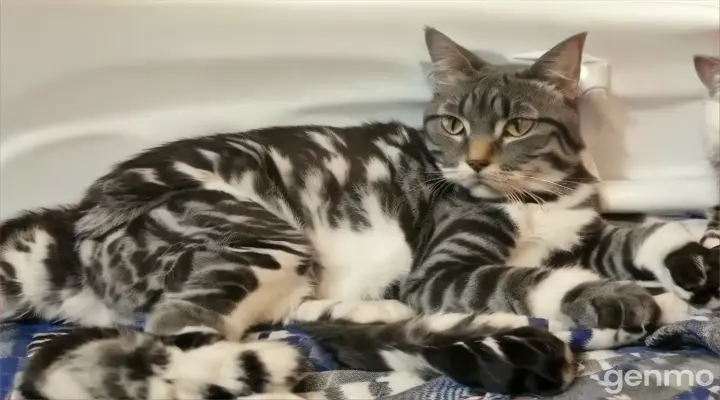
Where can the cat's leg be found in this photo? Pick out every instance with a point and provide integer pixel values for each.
(666, 251)
(248, 265)
(579, 339)
(233, 264)
(230, 296)
(42, 275)
(496, 352)
(361, 311)
(463, 269)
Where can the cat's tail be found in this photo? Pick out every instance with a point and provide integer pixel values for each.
(497, 353)
(487, 352)
(114, 364)
(41, 275)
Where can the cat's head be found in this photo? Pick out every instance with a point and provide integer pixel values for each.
(501, 134)
(708, 70)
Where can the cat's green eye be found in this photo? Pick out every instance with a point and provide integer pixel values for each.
(452, 125)
(517, 127)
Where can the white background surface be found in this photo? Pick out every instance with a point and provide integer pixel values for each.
(85, 83)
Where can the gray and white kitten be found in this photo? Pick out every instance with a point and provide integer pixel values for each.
(397, 248)
(708, 70)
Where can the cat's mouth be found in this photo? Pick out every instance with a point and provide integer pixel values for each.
(478, 184)
(485, 190)
(494, 183)
(497, 185)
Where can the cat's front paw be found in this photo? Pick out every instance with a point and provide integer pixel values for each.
(608, 304)
(520, 361)
(695, 275)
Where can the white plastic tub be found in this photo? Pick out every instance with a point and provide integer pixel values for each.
(85, 83)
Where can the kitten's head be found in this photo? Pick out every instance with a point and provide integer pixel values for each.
(503, 134)
(708, 70)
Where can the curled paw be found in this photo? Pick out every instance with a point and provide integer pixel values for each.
(608, 304)
(519, 361)
(694, 272)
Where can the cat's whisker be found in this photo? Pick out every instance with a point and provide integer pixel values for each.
(535, 178)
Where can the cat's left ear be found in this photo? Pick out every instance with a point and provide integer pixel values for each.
(561, 65)
(708, 70)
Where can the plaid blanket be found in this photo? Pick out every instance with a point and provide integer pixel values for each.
(683, 365)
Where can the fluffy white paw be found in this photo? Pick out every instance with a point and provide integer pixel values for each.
(357, 311)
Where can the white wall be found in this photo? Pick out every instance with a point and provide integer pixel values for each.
(86, 83)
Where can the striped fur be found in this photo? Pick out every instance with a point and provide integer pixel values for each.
(496, 352)
(393, 237)
(102, 363)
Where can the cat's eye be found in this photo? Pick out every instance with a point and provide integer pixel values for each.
(517, 127)
(452, 125)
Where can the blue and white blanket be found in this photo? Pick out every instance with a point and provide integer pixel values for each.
(680, 361)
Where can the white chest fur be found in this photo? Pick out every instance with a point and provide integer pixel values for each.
(360, 264)
(543, 228)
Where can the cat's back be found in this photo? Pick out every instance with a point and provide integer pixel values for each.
(300, 145)
(273, 161)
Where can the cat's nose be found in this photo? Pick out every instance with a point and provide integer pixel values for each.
(479, 153)
(478, 165)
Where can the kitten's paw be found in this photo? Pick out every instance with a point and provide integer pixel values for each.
(695, 274)
(520, 361)
(361, 312)
(615, 305)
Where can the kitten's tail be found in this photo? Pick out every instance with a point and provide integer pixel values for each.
(40, 272)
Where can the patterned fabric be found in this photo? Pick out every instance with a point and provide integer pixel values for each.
(702, 331)
(689, 371)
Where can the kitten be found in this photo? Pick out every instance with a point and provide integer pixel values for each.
(398, 248)
(708, 70)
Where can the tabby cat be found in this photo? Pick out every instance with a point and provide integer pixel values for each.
(398, 248)
(708, 70)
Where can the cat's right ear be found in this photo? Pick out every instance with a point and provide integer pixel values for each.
(708, 70)
(452, 63)
(561, 65)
